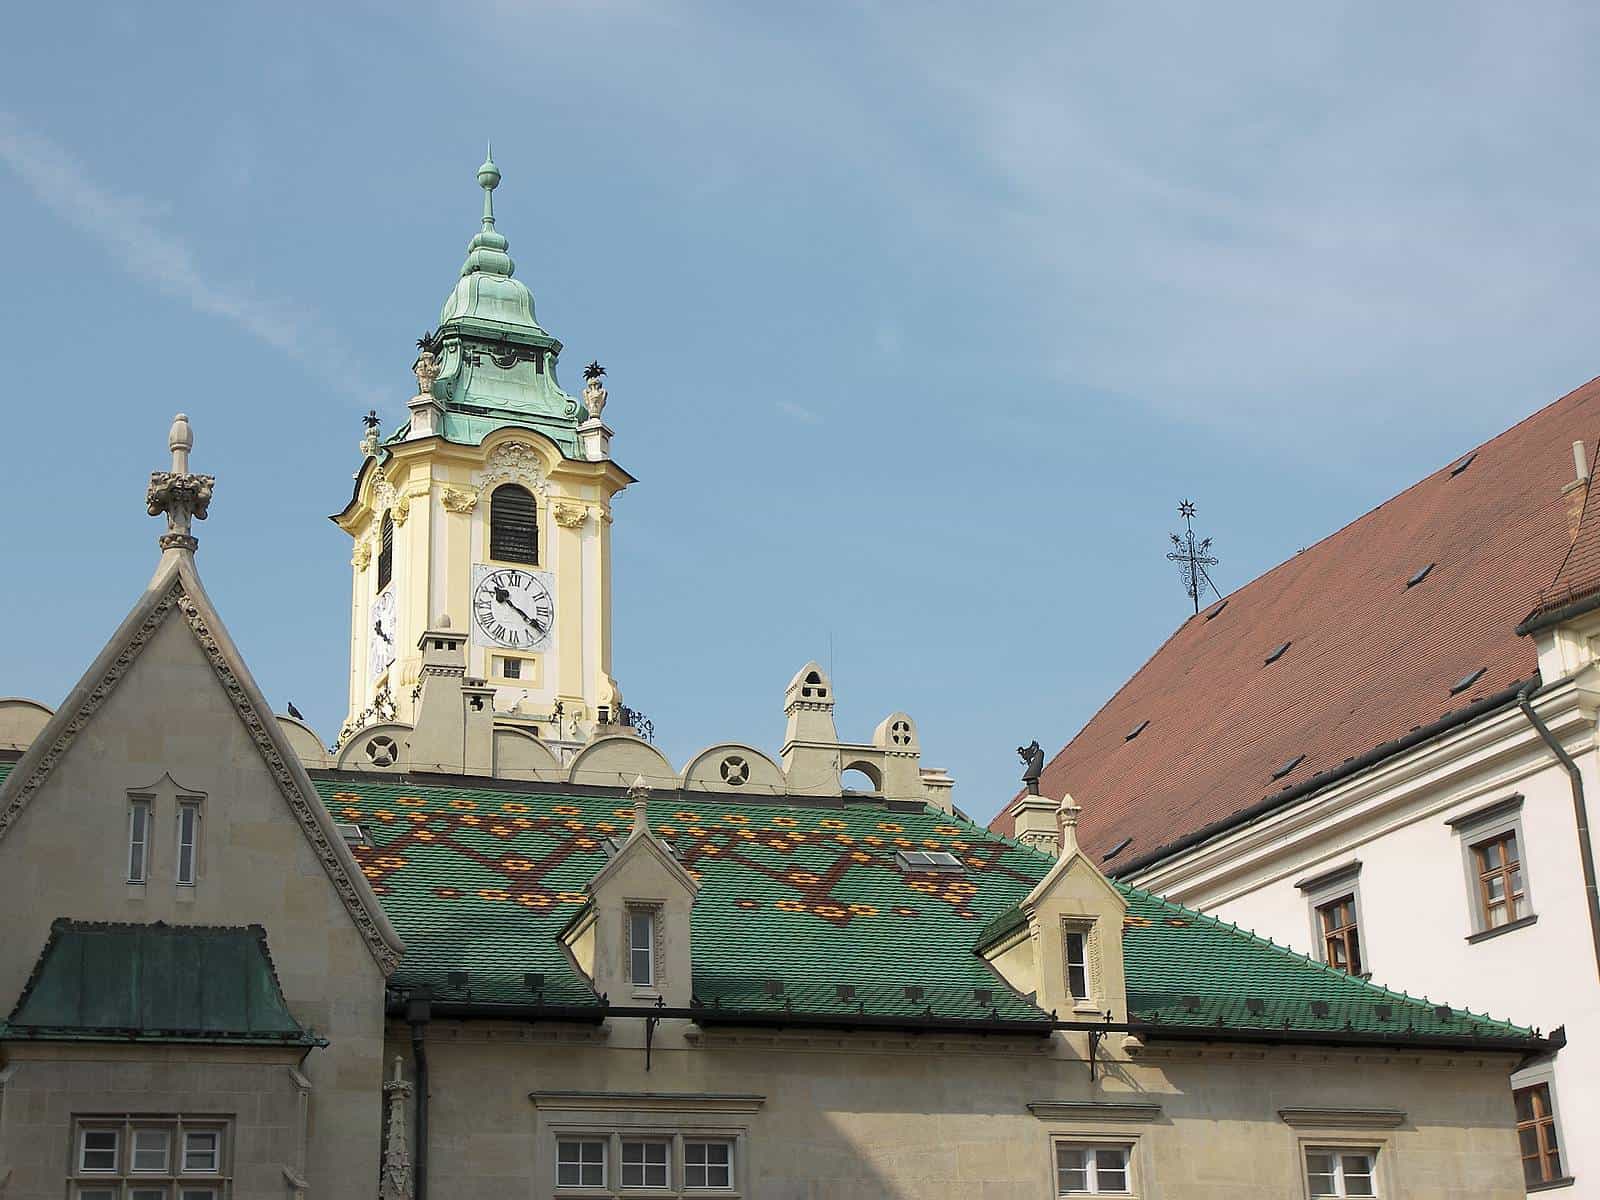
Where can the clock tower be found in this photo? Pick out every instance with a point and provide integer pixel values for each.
(488, 512)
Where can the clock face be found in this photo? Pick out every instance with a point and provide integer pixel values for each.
(381, 653)
(513, 608)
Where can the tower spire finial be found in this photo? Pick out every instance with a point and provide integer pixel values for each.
(177, 493)
(486, 254)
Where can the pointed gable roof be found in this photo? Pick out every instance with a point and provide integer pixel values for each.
(1217, 729)
(176, 589)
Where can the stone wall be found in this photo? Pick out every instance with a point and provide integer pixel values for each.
(857, 1116)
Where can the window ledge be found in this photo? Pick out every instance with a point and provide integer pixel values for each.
(1484, 935)
(1551, 1185)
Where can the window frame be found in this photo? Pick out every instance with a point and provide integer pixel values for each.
(1072, 936)
(139, 835)
(1476, 829)
(1544, 1074)
(1340, 940)
(614, 1116)
(581, 1138)
(1338, 1148)
(1094, 1147)
(644, 1164)
(188, 805)
(537, 517)
(651, 914)
(125, 1178)
(385, 556)
(729, 1143)
(1332, 887)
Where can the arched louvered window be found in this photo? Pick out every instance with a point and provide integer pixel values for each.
(385, 551)
(513, 525)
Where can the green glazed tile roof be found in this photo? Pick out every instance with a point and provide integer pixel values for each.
(797, 899)
(154, 983)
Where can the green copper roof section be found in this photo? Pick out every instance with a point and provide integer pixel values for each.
(154, 983)
(797, 899)
(497, 365)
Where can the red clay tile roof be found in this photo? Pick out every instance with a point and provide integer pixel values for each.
(1369, 658)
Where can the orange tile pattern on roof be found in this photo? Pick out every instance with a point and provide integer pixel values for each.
(1370, 658)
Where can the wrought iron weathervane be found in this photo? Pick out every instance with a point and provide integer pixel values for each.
(1193, 555)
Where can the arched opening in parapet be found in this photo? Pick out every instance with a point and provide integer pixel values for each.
(862, 778)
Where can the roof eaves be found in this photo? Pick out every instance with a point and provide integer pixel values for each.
(1545, 616)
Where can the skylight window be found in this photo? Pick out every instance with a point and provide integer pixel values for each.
(1419, 576)
(1467, 681)
(1216, 610)
(1116, 850)
(1289, 766)
(941, 862)
(1463, 463)
(1136, 730)
(354, 836)
(1277, 654)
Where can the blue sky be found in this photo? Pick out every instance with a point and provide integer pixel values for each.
(920, 318)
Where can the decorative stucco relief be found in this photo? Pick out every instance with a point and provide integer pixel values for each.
(514, 462)
(569, 516)
(459, 500)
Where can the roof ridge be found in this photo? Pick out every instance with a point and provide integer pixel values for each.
(1290, 952)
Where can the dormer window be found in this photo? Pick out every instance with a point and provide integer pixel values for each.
(385, 551)
(513, 525)
(138, 840)
(642, 947)
(1076, 944)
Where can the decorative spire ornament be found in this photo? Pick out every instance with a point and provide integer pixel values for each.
(594, 389)
(1192, 556)
(395, 1181)
(177, 493)
(639, 793)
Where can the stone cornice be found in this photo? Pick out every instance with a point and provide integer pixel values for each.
(1095, 1110)
(1343, 1118)
(660, 1102)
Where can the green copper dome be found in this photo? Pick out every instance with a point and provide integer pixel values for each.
(497, 365)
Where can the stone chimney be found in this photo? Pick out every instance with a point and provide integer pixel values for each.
(455, 714)
(1037, 823)
(1576, 492)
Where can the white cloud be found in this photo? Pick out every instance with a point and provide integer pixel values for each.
(126, 226)
(800, 413)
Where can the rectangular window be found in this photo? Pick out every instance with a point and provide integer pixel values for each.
(146, 1158)
(1499, 867)
(707, 1164)
(138, 840)
(1341, 940)
(1091, 1170)
(188, 841)
(152, 1151)
(1077, 948)
(1341, 1172)
(644, 1164)
(98, 1150)
(202, 1152)
(511, 668)
(580, 1162)
(641, 947)
(1536, 1132)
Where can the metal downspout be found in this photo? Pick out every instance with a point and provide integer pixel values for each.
(1580, 811)
(418, 1013)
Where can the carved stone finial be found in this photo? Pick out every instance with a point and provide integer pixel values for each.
(179, 495)
(639, 793)
(443, 622)
(1033, 765)
(594, 389)
(369, 439)
(395, 1181)
(1067, 824)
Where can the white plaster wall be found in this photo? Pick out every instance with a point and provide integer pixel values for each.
(1416, 915)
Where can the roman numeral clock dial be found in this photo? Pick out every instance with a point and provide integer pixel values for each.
(514, 609)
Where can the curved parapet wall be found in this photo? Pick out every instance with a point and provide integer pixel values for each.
(520, 755)
(384, 748)
(734, 767)
(305, 741)
(617, 760)
(21, 721)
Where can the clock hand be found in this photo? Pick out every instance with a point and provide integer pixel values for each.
(377, 628)
(504, 597)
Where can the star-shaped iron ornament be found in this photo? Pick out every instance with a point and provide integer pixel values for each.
(371, 419)
(1193, 555)
(594, 370)
(429, 341)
